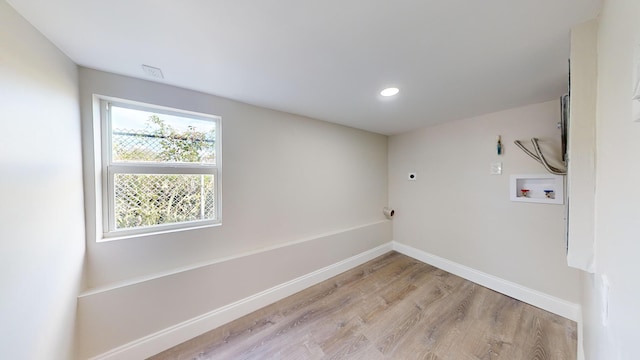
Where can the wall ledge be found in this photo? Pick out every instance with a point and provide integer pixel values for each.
(158, 275)
(177, 334)
(164, 339)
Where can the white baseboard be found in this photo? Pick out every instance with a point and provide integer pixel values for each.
(177, 334)
(167, 338)
(536, 298)
(580, 339)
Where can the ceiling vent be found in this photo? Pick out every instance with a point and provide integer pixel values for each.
(153, 71)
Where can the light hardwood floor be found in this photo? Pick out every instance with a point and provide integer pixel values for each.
(393, 307)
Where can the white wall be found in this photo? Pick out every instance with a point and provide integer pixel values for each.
(458, 211)
(41, 216)
(275, 165)
(286, 179)
(617, 220)
(581, 177)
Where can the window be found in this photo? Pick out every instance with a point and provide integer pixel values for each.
(160, 167)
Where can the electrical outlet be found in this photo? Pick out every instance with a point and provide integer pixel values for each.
(496, 168)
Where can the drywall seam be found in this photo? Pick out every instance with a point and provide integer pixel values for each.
(536, 298)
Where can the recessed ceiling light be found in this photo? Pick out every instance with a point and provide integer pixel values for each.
(389, 91)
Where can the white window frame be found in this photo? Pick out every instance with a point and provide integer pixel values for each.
(109, 170)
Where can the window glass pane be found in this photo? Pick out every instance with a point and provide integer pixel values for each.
(147, 200)
(138, 135)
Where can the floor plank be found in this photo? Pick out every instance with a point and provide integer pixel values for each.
(393, 307)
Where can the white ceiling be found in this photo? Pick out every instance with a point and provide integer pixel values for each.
(329, 59)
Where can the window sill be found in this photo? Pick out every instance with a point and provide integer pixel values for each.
(116, 236)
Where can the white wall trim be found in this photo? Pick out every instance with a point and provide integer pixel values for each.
(177, 334)
(569, 310)
(580, 322)
(158, 275)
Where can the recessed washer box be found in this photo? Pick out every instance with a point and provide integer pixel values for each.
(537, 188)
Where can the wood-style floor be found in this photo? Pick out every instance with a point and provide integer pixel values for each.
(393, 307)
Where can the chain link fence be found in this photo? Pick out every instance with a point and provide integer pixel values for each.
(146, 200)
(141, 145)
(155, 199)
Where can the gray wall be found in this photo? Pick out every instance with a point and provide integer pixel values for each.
(41, 216)
(617, 214)
(458, 211)
(286, 180)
